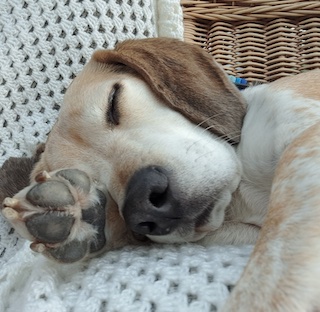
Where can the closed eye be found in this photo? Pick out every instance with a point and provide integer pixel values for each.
(113, 114)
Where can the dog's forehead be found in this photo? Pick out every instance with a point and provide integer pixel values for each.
(92, 83)
(92, 74)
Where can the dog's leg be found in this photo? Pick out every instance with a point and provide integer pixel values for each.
(62, 213)
(283, 273)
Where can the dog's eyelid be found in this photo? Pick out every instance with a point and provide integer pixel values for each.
(112, 115)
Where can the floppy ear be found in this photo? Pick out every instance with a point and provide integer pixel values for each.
(15, 173)
(187, 79)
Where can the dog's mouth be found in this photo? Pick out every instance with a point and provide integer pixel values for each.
(155, 207)
(190, 230)
(140, 237)
(204, 217)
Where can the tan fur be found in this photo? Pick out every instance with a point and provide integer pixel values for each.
(302, 85)
(285, 261)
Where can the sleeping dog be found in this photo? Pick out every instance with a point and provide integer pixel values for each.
(154, 143)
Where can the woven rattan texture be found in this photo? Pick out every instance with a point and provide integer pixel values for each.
(260, 40)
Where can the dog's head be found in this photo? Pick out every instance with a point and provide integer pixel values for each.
(154, 122)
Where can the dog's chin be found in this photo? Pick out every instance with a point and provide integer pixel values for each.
(175, 238)
(209, 222)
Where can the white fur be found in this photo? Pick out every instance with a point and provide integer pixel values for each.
(270, 125)
(283, 273)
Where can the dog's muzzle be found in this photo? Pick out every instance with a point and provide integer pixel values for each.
(150, 207)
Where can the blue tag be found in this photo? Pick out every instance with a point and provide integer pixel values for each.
(241, 83)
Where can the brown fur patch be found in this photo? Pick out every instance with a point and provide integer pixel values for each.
(15, 173)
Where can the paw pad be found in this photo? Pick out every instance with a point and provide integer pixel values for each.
(70, 252)
(63, 214)
(76, 177)
(51, 227)
(50, 194)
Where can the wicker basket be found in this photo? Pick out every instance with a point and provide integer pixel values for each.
(259, 40)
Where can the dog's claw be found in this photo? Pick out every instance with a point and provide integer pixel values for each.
(42, 176)
(67, 253)
(10, 213)
(11, 202)
(40, 248)
(63, 214)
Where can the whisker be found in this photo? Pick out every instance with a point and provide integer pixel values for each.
(205, 154)
(205, 120)
(226, 135)
(203, 130)
(210, 117)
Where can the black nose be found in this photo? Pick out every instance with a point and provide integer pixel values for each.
(150, 208)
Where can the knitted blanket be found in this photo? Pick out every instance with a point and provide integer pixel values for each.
(43, 45)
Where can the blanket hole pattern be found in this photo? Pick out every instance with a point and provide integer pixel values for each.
(158, 278)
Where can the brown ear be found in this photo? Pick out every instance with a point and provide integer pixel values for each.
(187, 79)
(15, 173)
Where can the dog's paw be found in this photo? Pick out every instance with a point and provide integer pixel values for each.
(63, 214)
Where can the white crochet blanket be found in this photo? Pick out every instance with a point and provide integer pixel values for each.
(43, 45)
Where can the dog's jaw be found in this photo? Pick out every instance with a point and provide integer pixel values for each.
(191, 232)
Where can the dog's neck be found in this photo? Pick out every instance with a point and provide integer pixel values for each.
(258, 157)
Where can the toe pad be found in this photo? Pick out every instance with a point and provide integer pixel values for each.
(52, 227)
(45, 195)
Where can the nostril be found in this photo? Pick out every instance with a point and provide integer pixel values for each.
(158, 199)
